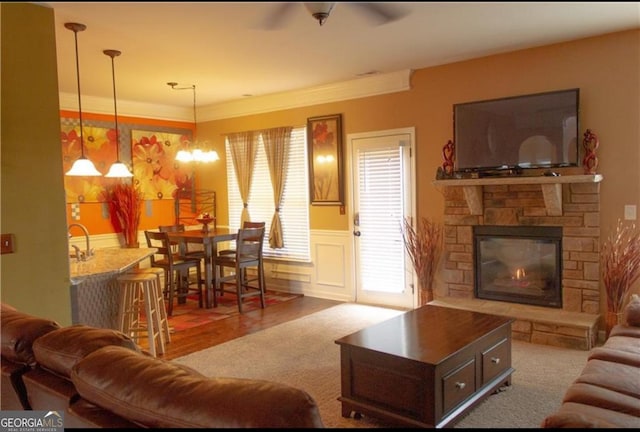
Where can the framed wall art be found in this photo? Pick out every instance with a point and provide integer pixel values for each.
(100, 148)
(324, 137)
(155, 166)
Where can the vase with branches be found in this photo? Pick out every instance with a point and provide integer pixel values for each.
(125, 202)
(423, 245)
(620, 269)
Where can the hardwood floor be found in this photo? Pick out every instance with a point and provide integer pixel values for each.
(217, 332)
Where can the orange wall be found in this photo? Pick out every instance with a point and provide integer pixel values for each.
(154, 212)
(606, 69)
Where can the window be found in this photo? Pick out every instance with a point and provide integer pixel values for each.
(294, 209)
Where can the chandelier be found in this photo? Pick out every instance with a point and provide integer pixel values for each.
(196, 152)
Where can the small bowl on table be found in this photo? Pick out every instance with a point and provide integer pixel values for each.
(205, 221)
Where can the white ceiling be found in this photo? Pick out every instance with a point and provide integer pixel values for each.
(225, 50)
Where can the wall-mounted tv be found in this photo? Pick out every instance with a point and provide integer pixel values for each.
(530, 131)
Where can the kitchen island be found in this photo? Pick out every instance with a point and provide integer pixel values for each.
(94, 287)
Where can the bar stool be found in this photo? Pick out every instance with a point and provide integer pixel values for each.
(139, 290)
(164, 320)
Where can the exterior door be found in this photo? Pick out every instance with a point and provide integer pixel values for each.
(382, 179)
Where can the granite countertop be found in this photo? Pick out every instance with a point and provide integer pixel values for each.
(107, 261)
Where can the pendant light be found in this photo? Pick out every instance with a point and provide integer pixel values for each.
(118, 169)
(196, 154)
(82, 166)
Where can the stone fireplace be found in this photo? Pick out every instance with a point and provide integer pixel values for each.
(570, 207)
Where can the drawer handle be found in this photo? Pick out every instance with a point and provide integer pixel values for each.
(495, 360)
(460, 385)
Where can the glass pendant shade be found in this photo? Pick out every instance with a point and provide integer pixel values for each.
(118, 169)
(82, 166)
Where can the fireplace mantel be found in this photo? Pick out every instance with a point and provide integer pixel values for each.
(551, 188)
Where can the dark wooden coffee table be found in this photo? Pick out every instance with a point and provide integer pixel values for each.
(425, 367)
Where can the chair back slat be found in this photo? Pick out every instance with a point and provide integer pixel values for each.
(176, 247)
(249, 243)
(160, 241)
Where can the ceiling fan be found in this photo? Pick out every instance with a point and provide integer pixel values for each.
(379, 13)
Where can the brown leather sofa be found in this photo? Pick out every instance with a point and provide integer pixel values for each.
(101, 378)
(607, 392)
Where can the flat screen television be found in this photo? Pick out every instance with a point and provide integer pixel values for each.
(529, 131)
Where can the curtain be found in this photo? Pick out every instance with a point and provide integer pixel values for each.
(243, 147)
(276, 147)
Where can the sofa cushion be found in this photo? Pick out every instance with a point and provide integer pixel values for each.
(624, 330)
(581, 416)
(613, 376)
(19, 331)
(48, 391)
(58, 351)
(82, 414)
(622, 355)
(624, 343)
(632, 311)
(159, 394)
(590, 394)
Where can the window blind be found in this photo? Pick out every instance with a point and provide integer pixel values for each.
(294, 209)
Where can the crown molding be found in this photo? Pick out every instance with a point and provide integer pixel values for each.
(358, 88)
(98, 105)
(353, 89)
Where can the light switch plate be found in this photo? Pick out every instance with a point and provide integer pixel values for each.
(7, 243)
(630, 212)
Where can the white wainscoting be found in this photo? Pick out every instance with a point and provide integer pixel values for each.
(330, 274)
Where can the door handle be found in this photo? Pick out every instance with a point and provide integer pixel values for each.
(356, 233)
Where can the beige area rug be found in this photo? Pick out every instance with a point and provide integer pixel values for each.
(302, 353)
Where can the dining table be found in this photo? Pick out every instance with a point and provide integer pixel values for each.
(209, 239)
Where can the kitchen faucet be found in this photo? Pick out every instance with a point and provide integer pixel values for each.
(86, 254)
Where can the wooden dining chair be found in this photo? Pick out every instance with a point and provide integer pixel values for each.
(232, 250)
(248, 254)
(176, 267)
(189, 251)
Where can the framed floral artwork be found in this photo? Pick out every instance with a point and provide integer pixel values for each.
(154, 163)
(99, 148)
(324, 138)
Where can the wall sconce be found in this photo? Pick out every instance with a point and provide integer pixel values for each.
(82, 166)
(118, 169)
(196, 154)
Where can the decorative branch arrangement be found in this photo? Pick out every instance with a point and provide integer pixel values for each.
(620, 264)
(125, 201)
(620, 268)
(423, 245)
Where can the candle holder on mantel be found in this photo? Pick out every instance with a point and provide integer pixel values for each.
(590, 144)
(448, 153)
(205, 220)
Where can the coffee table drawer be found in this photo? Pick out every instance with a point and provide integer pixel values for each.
(495, 360)
(458, 385)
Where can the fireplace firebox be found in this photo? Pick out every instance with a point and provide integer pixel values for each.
(518, 264)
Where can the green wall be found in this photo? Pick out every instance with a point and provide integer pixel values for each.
(35, 278)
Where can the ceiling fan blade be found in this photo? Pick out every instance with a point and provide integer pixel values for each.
(381, 13)
(278, 16)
